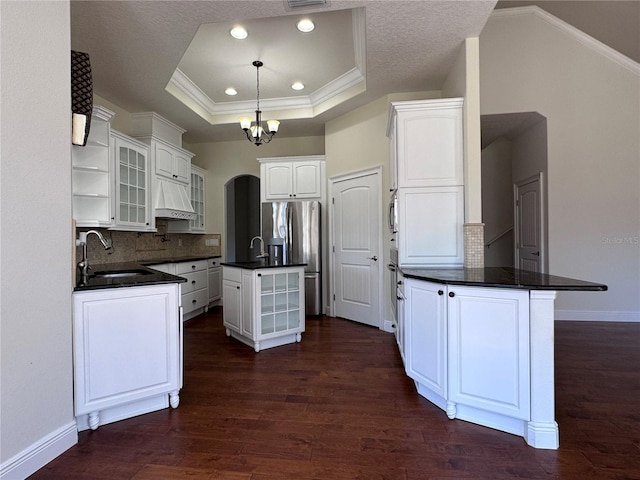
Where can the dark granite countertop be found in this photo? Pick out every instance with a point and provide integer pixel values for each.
(502, 277)
(141, 276)
(186, 258)
(260, 264)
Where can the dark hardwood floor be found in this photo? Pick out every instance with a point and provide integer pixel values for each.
(339, 406)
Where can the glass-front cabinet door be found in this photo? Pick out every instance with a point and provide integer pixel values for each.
(132, 184)
(280, 306)
(197, 199)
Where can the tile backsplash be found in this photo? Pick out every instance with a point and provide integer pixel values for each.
(139, 246)
(473, 245)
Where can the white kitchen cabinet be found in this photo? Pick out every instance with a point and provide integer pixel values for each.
(233, 298)
(165, 267)
(92, 174)
(270, 309)
(197, 198)
(111, 179)
(133, 184)
(430, 221)
(489, 351)
(467, 349)
(127, 351)
(399, 291)
(198, 183)
(425, 337)
(171, 162)
(427, 143)
(215, 280)
(195, 293)
(292, 178)
(426, 163)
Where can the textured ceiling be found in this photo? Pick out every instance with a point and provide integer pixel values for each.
(136, 46)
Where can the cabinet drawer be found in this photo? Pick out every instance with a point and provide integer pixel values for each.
(194, 300)
(232, 274)
(165, 267)
(213, 262)
(195, 281)
(186, 267)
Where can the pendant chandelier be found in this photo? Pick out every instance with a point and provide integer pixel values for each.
(255, 131)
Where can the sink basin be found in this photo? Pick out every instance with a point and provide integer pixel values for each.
(120, 273)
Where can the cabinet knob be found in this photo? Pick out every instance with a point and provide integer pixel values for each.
(440, 292)
(399, 282)
(238, 288)
(193, 282)
(193, 301)
(259, 274)
(193, 267)
(451, 294)
(399, 298)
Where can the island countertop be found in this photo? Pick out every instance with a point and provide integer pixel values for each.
(255, 265)
(501, 277)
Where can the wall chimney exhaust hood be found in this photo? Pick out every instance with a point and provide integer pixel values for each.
(172, 201)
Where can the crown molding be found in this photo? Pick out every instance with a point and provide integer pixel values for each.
(577, 34)
(187, 87)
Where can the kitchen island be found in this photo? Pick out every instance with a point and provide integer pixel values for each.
(479, 344)
(264, 303)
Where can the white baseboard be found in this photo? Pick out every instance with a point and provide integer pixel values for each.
(37, 455)
(598, 316)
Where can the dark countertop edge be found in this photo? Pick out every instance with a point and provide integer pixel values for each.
(259, 265)
(155, 277)
(189, 258)
(501, 277)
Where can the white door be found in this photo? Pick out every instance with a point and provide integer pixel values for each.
(356, 224)
(529, 223)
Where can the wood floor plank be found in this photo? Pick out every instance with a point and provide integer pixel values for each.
(338, 406)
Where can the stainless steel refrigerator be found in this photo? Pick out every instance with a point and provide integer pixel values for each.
(291, 231)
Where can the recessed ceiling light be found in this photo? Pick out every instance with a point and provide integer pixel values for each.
(297, 86)
(305, 25)
(231, 91)
(239, 32)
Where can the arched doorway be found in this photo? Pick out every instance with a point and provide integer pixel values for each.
(242, 216)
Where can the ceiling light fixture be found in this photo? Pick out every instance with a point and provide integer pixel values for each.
(231, 91)
(297, 86)
(254, 131)
(238, 32)
(305, 25)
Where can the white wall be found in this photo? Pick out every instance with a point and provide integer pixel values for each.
(590, 98)
(36, 385)
(464, 81)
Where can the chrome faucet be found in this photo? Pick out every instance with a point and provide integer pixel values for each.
(83, 264)
(263, 254)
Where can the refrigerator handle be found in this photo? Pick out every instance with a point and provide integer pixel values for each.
(288, 245)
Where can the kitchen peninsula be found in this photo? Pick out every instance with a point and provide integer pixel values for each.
(479, 344)
(264, 302)
(127, 343)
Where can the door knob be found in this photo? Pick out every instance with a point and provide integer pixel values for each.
(537, 254)
(374, 258)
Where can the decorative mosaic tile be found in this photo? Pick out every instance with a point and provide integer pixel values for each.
(473, 245)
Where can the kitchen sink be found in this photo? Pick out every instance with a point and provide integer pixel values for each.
(121, 273)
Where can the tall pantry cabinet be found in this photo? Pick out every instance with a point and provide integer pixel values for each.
(427, 153)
